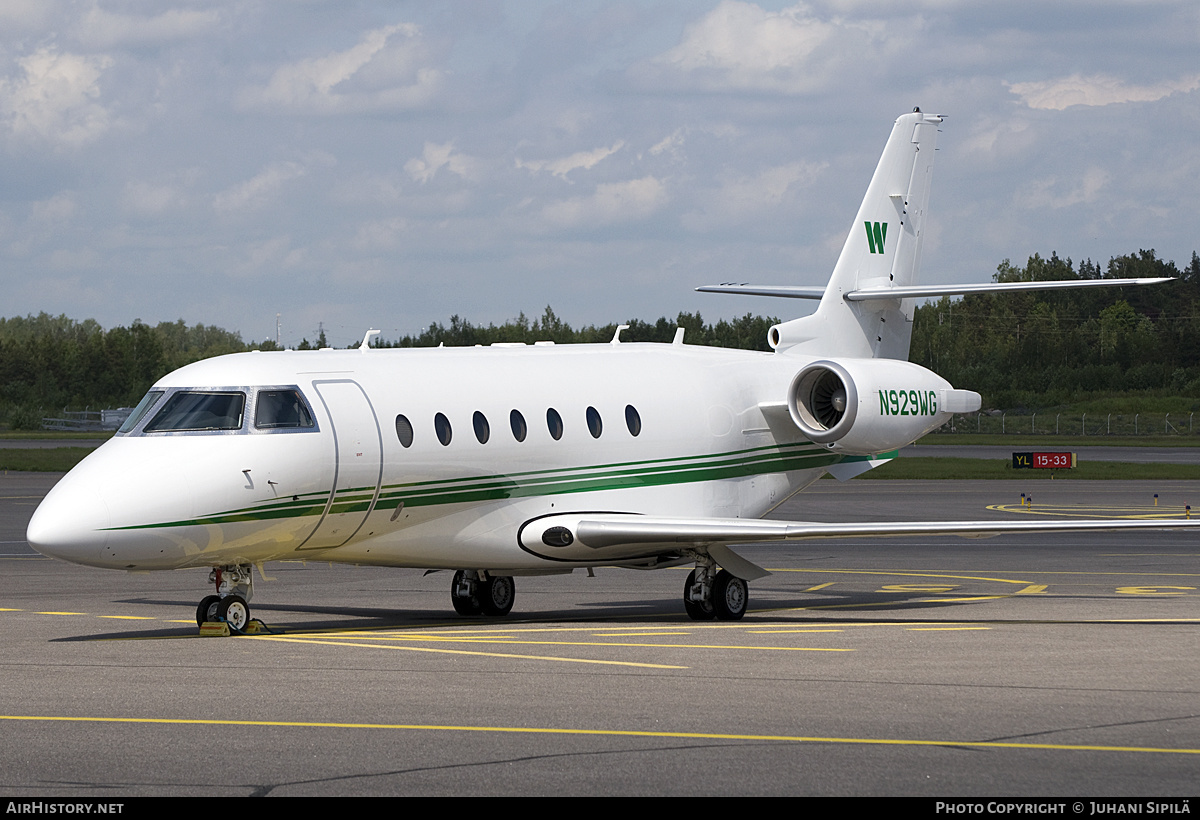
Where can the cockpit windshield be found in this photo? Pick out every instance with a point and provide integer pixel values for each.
(188, 410)
(138, 412)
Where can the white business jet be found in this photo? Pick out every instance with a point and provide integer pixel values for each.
(536, 459)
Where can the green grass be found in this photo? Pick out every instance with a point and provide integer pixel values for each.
(53, 460)
(54, 435)
(993, 469)
(1059, 442)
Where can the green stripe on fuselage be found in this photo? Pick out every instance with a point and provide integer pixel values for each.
(619, 475)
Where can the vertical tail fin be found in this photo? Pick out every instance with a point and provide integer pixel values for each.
(883, 250)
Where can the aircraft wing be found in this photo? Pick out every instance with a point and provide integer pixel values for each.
(609, 537)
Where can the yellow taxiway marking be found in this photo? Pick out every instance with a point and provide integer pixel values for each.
(10, 609)
(901, 573)
(1115, 512)
(636, 634)
(350, 637)
(820, 586)
(60, 613)
(460, 652)
(131, 618)
(538, 730)
(788, 631)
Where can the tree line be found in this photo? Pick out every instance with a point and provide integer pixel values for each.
(1023, 350)
(1040, 349)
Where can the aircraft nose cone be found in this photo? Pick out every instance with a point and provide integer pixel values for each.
(70, 523)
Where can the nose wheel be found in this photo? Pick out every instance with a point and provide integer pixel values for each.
(231, 604)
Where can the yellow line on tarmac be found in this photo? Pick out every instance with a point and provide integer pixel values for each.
(130, 617)
(1116, 513)
(460, 652)
(353, 639)
(901, 573)
(523, 730)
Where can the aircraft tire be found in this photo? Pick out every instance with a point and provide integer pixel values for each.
(207, 609)
(234, 611)
(730, 596)
(497, 594)
(697, 612)
(463, 606)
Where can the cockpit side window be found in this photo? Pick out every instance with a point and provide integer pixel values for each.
(188, 410)
(140, 411)
(281, 409)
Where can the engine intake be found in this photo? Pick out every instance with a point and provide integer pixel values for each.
(823, 401)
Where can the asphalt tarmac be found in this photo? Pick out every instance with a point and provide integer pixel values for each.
(1056, 665)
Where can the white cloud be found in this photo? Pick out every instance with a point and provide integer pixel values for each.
(669, 144)
(55, 100)
(612, 202)
(748, 197)
(435, 157)
(57, 209)
(382, 72)
(1047, 193)
(105, 29)
(581, 159)
(1094, 90)
(380, 234)
(256, 191)
(149, 199)
(741, 46)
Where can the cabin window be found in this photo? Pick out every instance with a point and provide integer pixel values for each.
(141, 410)
(441, 426)
(554, 423)
(189, 410)
(595, 425)
(482, 430)
(517, 422)
(404, 431)
(632, 420)
(281, 409)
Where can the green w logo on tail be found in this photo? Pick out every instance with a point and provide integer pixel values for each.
(876, 233)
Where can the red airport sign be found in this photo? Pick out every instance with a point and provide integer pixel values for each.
(1043, 461)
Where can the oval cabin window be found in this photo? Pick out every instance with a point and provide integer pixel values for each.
(554, 424)
(632, 420)
(517, 422)
(483, 430)
(404, 431)
(595, 425)
(441, 426)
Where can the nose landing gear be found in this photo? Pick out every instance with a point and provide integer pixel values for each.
(235, 587)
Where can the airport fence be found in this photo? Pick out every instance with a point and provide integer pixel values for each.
(1073, 424)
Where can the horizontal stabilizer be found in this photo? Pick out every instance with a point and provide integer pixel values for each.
(768, 290)
(914, 291)
(918, 291)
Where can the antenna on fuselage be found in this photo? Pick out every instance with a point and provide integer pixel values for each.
(366, 342)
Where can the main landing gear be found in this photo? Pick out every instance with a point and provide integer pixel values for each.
(231, 604)
(710, 593)
(475, 592)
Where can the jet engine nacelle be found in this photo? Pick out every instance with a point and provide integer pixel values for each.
(868, 406)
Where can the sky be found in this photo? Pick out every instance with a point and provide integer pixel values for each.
(352, 165)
